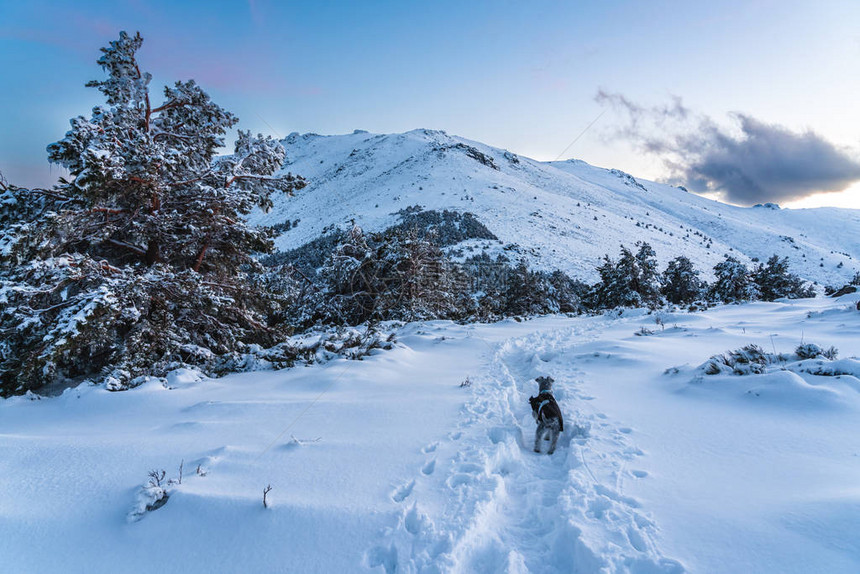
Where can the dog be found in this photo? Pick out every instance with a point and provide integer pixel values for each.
(547, 414)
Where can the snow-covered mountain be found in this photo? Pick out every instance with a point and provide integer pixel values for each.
(561, 215)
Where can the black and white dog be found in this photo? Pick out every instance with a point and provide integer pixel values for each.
(547, 414)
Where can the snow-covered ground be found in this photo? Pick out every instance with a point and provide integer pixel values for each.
(561, 215)
(389, 465)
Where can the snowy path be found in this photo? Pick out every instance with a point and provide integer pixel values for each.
(511, 510)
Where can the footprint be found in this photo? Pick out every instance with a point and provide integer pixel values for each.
(470, 467)
(497, 434)
(415, 521)
(459, 479)
(597, 507)
(429, 467)
(430, 447)
(639, 473)
(611, 494)
(401, 492)
(625, 430)
(385, 557)
(636, 539)
(455, 435)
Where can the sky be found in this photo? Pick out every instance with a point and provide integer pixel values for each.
(743, 101)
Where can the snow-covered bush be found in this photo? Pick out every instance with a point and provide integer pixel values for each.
(151, 496)
(850, 287)
(747, 360)
(813, 351)
(825, 367)
(752, 359)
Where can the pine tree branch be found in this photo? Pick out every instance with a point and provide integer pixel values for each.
(202, 255)
(257, 177)
(172, 135)
(148, 106)
(170, 105)
(187, 181)
(105, 266)
(129, 246)
(48, 193)
(107, 210)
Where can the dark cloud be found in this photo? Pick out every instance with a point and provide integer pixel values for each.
(756, 163)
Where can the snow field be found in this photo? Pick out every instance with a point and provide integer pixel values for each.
(388, 465)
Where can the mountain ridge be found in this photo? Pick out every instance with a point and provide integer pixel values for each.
(559, 215)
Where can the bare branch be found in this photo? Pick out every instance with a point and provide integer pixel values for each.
(169, 106)
(172, 135)
(148, 107)
(156, 476)
(257, 177)
(49, 193)
(135, 248)
(201, 256)
(187, 181)
(108, 210)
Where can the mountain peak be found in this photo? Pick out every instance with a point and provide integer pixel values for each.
(560, 214)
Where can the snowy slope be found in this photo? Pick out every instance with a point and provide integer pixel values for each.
(387, 465)
(563, 215)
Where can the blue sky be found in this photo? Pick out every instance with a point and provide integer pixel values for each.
(517, 75)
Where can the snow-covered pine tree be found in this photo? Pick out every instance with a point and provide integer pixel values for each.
(528, 292)
(353, 279)
(152, 188)
(568, 292)
(733, 283)
(680, 281)
(26, 217)
(141, 261)
(629, 282)
(648, 282)
(425, 287)
(774, 281)
(396, 274)
(614, 289)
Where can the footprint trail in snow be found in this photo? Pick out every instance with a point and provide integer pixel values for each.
(484, 502)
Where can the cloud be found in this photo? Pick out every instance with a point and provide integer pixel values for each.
(757, 162)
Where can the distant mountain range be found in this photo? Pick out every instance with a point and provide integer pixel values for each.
(559, 215)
